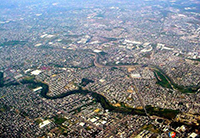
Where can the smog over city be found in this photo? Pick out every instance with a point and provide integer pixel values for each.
(99, 68)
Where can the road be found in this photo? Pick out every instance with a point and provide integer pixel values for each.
(97, 64)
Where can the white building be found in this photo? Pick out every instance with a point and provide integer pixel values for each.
(36, 72)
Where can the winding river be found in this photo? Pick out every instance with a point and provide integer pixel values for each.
(165, 113)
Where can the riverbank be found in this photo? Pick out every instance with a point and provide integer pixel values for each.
(165, 113)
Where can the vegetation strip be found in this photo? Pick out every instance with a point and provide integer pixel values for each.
(165, 113)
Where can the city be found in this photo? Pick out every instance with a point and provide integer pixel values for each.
(124, 69)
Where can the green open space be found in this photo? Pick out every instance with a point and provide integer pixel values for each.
(4, 108)
(161, 79)
(59, 120)
(164, 81)
(13, 43)
(165, 113)
(151, 128)
(38, 121)
(198, 59)
(1, 79)
(66, 41)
